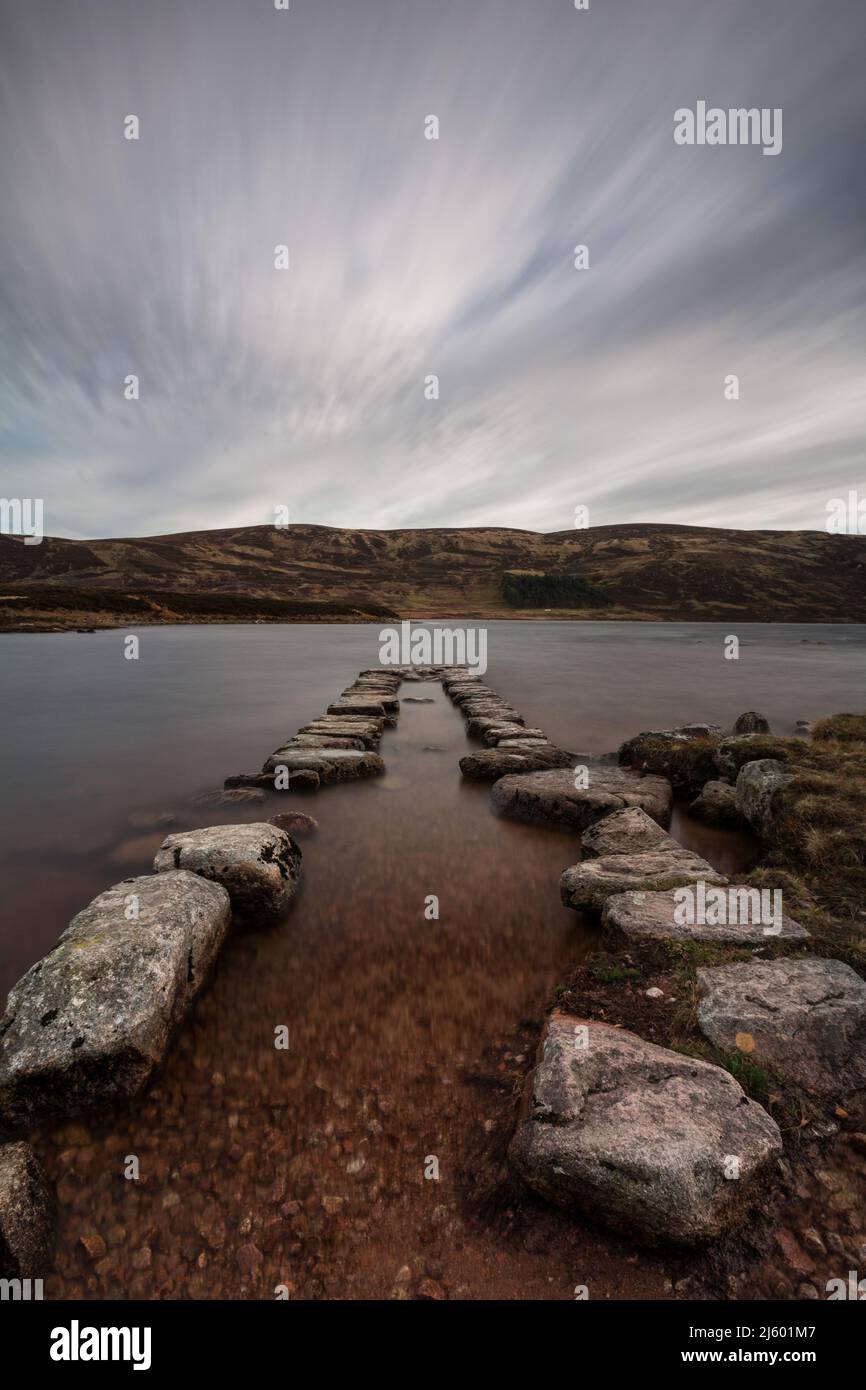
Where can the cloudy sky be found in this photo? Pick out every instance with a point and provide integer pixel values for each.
(409, 257)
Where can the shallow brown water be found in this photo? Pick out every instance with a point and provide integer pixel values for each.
(306, 1167)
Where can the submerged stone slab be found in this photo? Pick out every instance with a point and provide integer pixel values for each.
(259, 865)
(587, 886)
(551, 798)
(640, 1137)
(26, 1214)
(491, 763)
(804, 1019)
(85, 1027)
(630, 831)
(653, 917)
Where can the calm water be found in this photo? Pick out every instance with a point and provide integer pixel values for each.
(92, 740)
(383, 1007)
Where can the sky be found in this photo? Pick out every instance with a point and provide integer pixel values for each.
(306, 388)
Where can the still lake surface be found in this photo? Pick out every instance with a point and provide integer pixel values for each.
(92, 740)
(384, 1008)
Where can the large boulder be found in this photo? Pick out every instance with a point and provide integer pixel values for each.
(658, 916)
(26, 1214)
(492, 763)
(804, 1019)
(717, 805)
(258, 864)
(758, 794)
(86, 1025)
(587, 886)
(551, 798)
(736, 750)
(659, 1145)
(751, 723)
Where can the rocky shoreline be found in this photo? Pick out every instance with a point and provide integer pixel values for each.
(667, 1131)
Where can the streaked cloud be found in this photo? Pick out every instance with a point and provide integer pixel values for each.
(411, 257)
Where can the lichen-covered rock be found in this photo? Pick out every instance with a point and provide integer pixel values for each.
(587, 886)
(85, 1027)
(492, 763)
(717, 805)
(551, 798)
(259, 865)
(654, 916)
(656, 1144)
(758, 794)
(751, 723)
(26, 1214)
(803, 1019)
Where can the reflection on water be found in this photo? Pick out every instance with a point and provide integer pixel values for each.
(306, 1167)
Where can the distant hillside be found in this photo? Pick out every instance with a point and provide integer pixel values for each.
(308, 573)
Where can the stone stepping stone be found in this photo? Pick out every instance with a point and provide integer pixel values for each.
(641, 1138)
(258, 865)
(331, 764)
(491, 763)
(325, 741)
(300, 779)
(494, 734)
(87, 1025)
(480, 725)
(587, 886)
(369, 733)
(551, 798)
(26, 1214)
(803, 1019)
(355, 707)
(653, 917)
(630, 831)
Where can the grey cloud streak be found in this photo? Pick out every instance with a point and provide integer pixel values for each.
(411, 257)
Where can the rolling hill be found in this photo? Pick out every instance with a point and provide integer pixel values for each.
(321, 573)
